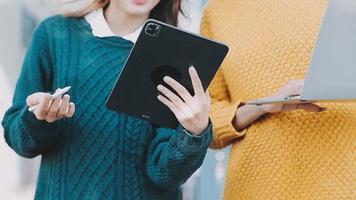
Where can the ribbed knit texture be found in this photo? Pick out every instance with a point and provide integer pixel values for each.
(97, 154)
(293, 155)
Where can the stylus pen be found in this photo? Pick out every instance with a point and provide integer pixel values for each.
(57, 94)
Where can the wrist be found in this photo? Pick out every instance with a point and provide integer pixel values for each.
(259, 109)
(196, 135)
(199, 131)
(246, 115)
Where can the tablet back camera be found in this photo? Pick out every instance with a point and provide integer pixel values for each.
(152, 29)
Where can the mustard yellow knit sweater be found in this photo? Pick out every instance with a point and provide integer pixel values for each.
(294, 155)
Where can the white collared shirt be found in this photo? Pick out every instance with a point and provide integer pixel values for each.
(100, 28)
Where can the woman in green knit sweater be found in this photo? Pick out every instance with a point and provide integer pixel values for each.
(88, 151)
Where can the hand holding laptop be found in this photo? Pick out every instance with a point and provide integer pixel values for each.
(250, 112)
(331, 72)
(292, 88)
(51, 107)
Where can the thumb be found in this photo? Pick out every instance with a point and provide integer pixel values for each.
(309, 107)
(32, 100)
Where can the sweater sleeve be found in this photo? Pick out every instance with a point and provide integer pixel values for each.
(174, 155)
(223, 110)
(25, 134)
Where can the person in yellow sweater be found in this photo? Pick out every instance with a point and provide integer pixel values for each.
(304, 152)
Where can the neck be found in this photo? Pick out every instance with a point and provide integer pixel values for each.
(122, 23)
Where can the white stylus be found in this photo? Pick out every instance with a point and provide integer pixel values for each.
(57, 94)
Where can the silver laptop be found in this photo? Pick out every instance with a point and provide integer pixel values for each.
(332, 70)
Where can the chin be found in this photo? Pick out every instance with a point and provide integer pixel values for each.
(138, 7)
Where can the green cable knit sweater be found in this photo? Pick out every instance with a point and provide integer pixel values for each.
(97, 154)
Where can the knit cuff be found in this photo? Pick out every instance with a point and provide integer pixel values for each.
(224, 130)
(195, 142)
(38, 130)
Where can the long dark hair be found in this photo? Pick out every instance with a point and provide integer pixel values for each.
(166, 10)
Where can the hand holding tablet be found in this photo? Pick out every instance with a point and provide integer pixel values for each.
(161, 59)
(192, 111)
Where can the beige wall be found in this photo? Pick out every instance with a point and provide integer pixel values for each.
(10, 181)
(10, 51)
(17, 174)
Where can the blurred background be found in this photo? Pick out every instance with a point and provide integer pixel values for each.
(18, 19)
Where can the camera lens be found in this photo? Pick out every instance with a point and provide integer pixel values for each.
(152, 29)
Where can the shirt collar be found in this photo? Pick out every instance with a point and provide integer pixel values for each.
(100, 28)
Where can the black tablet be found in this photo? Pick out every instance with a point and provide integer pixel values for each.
(162, 50)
